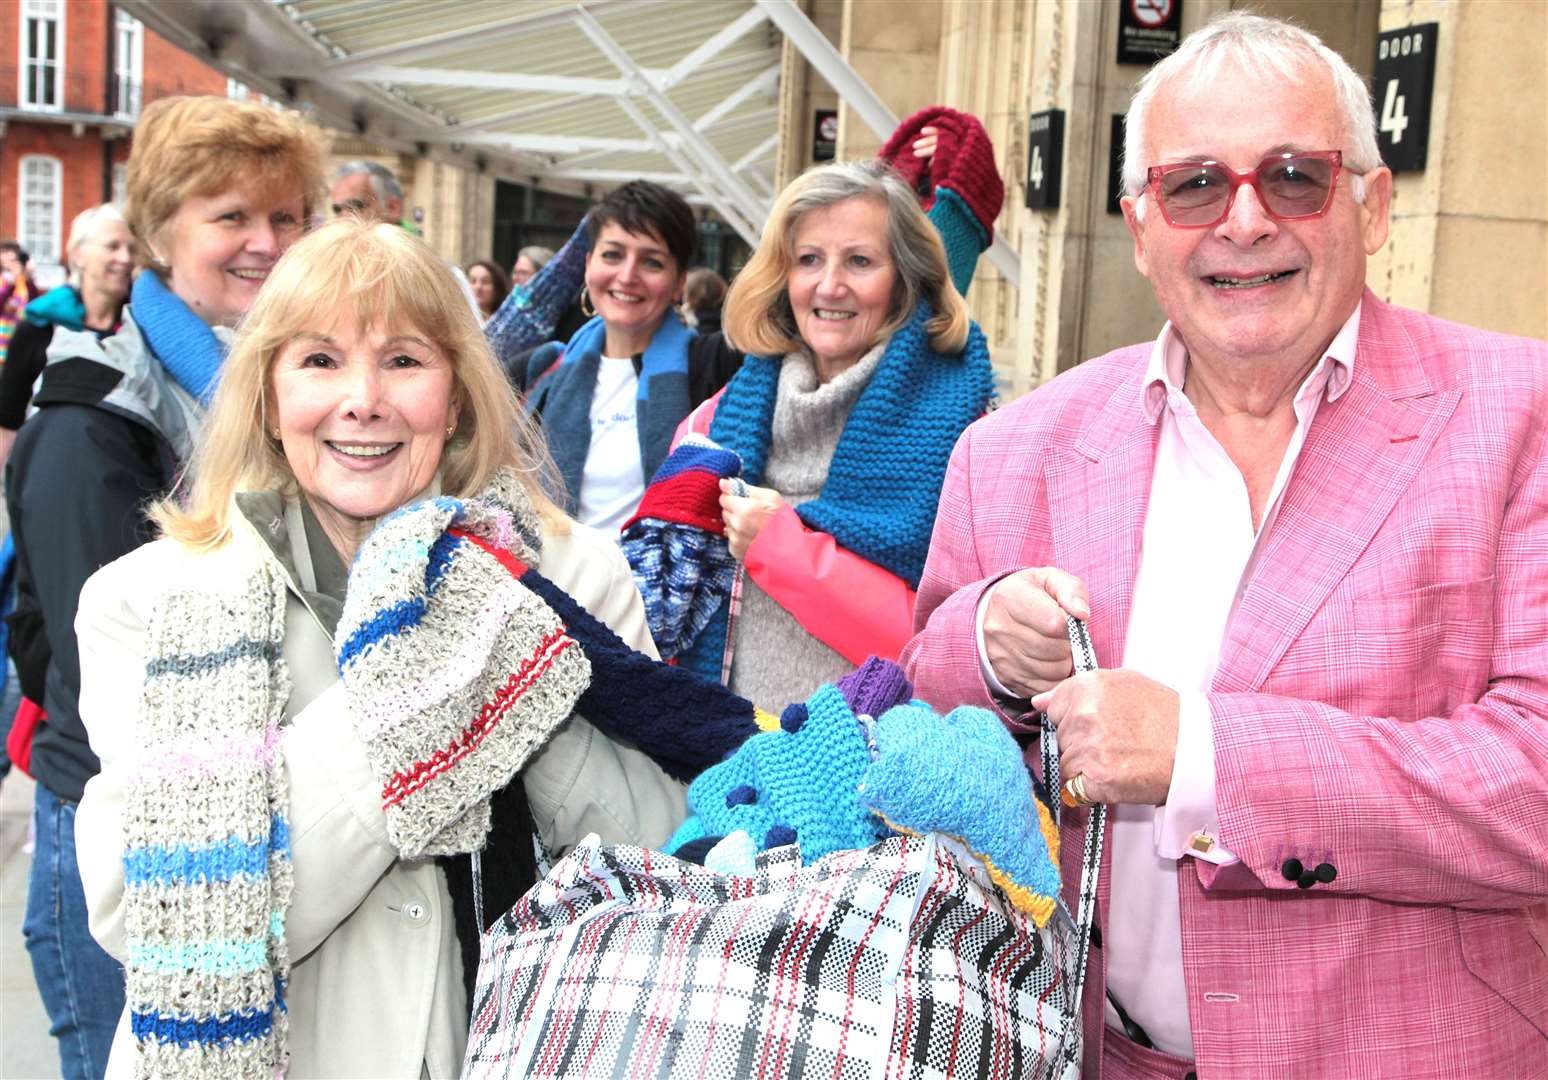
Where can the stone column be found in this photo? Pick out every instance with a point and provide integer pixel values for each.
(1469, 238)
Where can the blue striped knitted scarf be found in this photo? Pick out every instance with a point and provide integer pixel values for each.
(890, 463)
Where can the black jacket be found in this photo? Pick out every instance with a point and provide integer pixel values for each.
(77, 484)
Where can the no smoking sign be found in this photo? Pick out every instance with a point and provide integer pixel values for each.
(1148, 30)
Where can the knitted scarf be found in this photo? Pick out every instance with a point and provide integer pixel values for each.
(183, 342)
(563, 396)
(207, 874)
(890, 463)
(458, 661)
(58, 307)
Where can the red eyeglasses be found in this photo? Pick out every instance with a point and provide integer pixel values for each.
(1290, 187)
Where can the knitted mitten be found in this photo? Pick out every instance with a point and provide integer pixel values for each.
(529, 314)
(799, 784)
(454, 671)
(675, 543)
(961, 185)
(962, 774)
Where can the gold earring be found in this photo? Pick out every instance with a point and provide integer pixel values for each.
(275, 432)
(587, 309)
(451, 429)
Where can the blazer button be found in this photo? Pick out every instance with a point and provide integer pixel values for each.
(1306, 880)
(415, 912)
(1190, 1075)
(1292, 869)
(1326, 872)
(1096, 936)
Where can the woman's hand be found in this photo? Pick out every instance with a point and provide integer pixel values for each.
(924, 146)
(746, 515)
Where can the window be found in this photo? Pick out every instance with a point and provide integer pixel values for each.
(38, 213)
(128, 64)
(120, 185)
(42, 55)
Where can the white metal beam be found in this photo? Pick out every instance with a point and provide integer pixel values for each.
(712, 46)
(542, 108)
(615, 176)
(481, 34)
(752, 208)
(757, 153)
(535, 143)
(858, 95)
(488, 80)
(728, 208)
(766, 82)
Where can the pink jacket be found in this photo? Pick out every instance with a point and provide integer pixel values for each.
(1381, 702)
(854, 607)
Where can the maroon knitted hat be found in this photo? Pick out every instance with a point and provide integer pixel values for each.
(963, 161)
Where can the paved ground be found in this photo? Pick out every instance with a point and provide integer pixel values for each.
(27, 1052)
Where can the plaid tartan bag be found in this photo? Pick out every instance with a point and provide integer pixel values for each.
(902, 960)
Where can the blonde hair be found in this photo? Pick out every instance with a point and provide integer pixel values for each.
(758, 317)
(382, 275)
(198, 146)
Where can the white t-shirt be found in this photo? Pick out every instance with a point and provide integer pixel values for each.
(614, 478)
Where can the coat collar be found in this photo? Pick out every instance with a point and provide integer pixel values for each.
(1362, 450)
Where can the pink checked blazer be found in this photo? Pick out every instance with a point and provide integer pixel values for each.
(1381, 702)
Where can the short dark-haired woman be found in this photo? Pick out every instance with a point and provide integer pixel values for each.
(610, 398)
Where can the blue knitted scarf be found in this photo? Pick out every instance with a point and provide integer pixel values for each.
(183, 342)
(890, 462)
(563, 396)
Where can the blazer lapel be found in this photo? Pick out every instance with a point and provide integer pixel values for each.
(1361, 453)
(1097, 494)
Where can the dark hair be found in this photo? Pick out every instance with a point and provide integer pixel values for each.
(705, 291)
(501, 281)
(643, 208)
(19, 251)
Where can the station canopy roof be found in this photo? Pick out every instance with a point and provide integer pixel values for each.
(683, 92)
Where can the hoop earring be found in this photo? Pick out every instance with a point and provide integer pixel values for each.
(587, 308)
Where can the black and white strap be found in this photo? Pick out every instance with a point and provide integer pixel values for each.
(1091, 863)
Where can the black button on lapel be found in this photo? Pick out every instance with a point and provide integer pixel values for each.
(1096, 937)
(1306, 880)
(1190, 1075)
(1326, 872)
(1292, 869)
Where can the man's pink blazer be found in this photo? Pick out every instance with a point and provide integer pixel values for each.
(1381, 703)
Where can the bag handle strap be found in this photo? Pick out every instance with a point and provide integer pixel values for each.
(1096, 825)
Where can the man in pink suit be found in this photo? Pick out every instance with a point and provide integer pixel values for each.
(1310, 533)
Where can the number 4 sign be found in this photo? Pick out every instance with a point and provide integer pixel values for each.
(1045, 159)
(1402, 88)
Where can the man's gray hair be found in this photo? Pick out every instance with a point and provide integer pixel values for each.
(1256, 43)
(383, 182)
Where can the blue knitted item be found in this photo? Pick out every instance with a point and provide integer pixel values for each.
(963, 774)
(184, 344)
(57, 307)
(800, 782)
(964, 238)
(676, 545)
(890, 463)
(563, 397)
(527, 316)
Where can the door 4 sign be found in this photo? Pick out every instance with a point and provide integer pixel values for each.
(1045, 159)
(1402, 88)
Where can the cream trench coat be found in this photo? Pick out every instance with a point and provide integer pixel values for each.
(376, 984)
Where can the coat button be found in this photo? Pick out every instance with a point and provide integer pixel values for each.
(1096, 936)
(1292, 869)
(1190, 1075)
(1326, 872)
(415, 912)
(1306, 880)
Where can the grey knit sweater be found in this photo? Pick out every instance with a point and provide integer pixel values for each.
(776, 661)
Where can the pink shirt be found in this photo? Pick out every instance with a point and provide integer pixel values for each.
(1197, 553)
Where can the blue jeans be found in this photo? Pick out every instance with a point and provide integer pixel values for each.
(82, 987)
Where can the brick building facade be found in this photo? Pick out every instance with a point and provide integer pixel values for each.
(73, 76)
